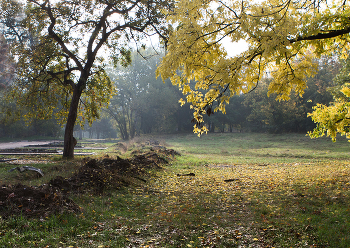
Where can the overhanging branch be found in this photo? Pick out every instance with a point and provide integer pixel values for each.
(325, 35)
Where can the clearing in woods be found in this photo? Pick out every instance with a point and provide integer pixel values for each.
(225, 190)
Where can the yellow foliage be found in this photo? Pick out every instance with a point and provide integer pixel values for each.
(332, 119)
(280, 35)
(346, 91)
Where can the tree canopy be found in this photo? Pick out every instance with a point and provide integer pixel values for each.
(284, 37)
(61, 47)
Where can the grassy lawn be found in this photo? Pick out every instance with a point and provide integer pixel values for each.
(248, 190)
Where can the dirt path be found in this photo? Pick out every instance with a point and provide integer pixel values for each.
(11, 145)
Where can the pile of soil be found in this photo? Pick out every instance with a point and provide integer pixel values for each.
(33, 201)
(157, 150)
(95, 176)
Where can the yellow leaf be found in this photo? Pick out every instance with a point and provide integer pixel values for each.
(346, 91)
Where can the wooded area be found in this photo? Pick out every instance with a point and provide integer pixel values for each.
(65, 60)
(127, 71)
(145, 105)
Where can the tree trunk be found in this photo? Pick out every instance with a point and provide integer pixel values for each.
(69, 140)
(80, 134)
(211, 127)
(230, 128)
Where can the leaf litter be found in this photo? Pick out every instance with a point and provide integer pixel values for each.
(243, 205)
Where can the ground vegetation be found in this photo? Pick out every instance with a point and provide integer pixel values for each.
(250, 190)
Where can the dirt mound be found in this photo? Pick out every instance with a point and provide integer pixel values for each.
(95, 176)
(99, 175)
(33, 202)
(159, 151)
(166, 152)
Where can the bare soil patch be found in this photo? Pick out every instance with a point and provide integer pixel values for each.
(34, 201)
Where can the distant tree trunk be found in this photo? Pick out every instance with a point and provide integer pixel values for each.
(91, 133)
(132, 125)
(69, 141)
(80, 134)
(230, 128)
(211, 127)
(124, 130)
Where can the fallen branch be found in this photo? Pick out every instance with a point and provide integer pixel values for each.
(188, 174)
(231, 180)
(25, 168)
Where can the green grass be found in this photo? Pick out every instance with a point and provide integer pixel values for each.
(259, 148)
(283, 191)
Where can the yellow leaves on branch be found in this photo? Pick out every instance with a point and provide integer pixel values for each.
(332, 119)
(96, 96)
(40, 100)
(346, 91)
(278, 33)
(291, 75)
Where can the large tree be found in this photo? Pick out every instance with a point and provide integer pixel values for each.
(61, 60)
(283, 37)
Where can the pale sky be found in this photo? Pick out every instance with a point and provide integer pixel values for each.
(233, 49)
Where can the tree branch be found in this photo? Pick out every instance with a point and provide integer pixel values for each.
(46, 7)
(320, 36)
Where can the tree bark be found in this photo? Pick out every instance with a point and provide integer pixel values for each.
(69, 140)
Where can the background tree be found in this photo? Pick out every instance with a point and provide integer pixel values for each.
(160, 108)
(143, 104)
(334, 118)
(63, 62)
(101, 128)
(291, 116)
(283, 36)
(268, 115)
(235, 119)
(6, 64)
